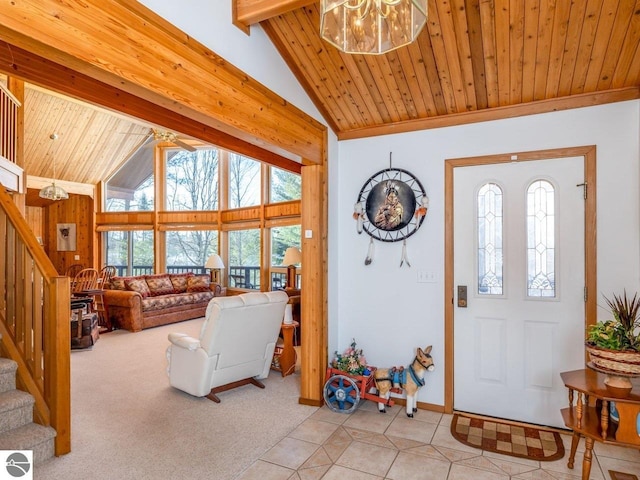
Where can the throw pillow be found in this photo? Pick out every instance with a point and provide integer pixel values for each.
(198, 283)
(138, 285)
(117, 283)
(179, 281)
(159, 284)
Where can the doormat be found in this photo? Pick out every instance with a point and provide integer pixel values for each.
(621, 476)
(502, 437)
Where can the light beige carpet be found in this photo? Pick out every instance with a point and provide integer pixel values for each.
(128, 423)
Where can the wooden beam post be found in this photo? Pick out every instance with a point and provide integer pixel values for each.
(313, 308)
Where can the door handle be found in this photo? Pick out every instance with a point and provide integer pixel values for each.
(462, 296)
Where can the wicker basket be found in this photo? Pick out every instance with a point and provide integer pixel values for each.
(626, 362)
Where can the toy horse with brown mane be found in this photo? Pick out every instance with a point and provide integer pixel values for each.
(409, 379)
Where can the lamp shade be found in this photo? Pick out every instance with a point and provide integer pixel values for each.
(292, 256)
(214, 261)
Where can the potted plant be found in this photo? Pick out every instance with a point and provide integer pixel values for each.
(614, 345)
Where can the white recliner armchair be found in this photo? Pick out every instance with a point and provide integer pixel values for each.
(236, 345)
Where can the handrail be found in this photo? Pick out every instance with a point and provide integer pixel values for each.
(34, 322)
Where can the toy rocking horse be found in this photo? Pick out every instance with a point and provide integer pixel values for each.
(410, 379)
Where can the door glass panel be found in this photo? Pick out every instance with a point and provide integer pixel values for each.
(541, 240)
(490, 240)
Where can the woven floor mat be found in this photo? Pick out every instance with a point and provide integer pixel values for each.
(515, 440)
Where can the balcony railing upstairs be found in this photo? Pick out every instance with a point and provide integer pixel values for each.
(10, 173)
(34, 322)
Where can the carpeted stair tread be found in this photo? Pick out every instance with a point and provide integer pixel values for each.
(16, 409)
(26, 437)
(14, 399)
(32, 436)
(7, 374)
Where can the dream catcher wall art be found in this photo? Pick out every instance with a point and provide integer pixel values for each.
(391, 207)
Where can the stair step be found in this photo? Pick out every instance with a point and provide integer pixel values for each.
(7, 374)
(33, 437)
(16, 409)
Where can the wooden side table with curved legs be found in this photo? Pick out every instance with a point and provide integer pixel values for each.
(285, 355)
(589, 417)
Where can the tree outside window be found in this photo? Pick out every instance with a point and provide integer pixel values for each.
(192, 179)
(131, 252)
(244, 258)
(187, 251)
(244, 181)
(285, 186)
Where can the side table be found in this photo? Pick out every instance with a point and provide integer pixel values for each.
(285, 355)
(589, 417)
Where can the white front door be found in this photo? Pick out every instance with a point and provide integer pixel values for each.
(519, 251)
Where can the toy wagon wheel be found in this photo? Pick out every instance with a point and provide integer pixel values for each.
(341, 394)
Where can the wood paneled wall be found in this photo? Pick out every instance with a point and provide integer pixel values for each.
(77, 209)
(35, 219)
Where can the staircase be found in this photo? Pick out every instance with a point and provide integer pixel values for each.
(17, 430)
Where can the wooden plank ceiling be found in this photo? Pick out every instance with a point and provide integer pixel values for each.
(92, 142)
(475, 60)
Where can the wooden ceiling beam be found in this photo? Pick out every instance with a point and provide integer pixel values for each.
(250, 12)
(126, 45)
(496, 113)
(33, 69)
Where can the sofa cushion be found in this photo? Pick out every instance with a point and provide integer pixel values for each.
(179, 281)
(159, 284)
(176, 300)
(198, 283)
(117, 283)
(138, 284)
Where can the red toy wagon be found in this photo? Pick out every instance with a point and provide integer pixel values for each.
(343, 391)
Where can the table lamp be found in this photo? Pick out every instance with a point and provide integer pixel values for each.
(292, 257)
(215, 264)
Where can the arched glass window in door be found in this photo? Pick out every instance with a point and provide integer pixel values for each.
(490, 240)
(541, 240)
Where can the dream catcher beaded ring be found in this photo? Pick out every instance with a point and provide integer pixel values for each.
(391, 207)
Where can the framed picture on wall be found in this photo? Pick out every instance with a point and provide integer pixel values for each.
(66, 235)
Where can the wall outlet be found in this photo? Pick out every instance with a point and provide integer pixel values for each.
(76, 257)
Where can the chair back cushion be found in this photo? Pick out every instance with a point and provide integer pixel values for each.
(238, 328)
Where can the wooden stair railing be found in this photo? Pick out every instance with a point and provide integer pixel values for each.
(34, 322)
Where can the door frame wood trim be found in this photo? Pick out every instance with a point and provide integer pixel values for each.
(590, 246)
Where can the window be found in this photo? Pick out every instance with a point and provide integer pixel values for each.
(192, 179)
(244, 181)
(244, 259)
(132, 187)
(490, 240)
(131, 252)
(284, 186)
(187, 251)
(281, 239)
(541, 239)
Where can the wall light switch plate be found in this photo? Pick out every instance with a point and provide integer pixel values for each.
(76, 257)
(308, 234)
(427, 277)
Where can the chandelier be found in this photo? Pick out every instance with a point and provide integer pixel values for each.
(53, 192)
(371, 26)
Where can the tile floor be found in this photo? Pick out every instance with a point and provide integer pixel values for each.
(367, 445)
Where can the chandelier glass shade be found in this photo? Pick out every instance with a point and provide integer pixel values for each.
(53, 192)
(371, 26)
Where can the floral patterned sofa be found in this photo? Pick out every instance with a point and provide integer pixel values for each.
(145, 301)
